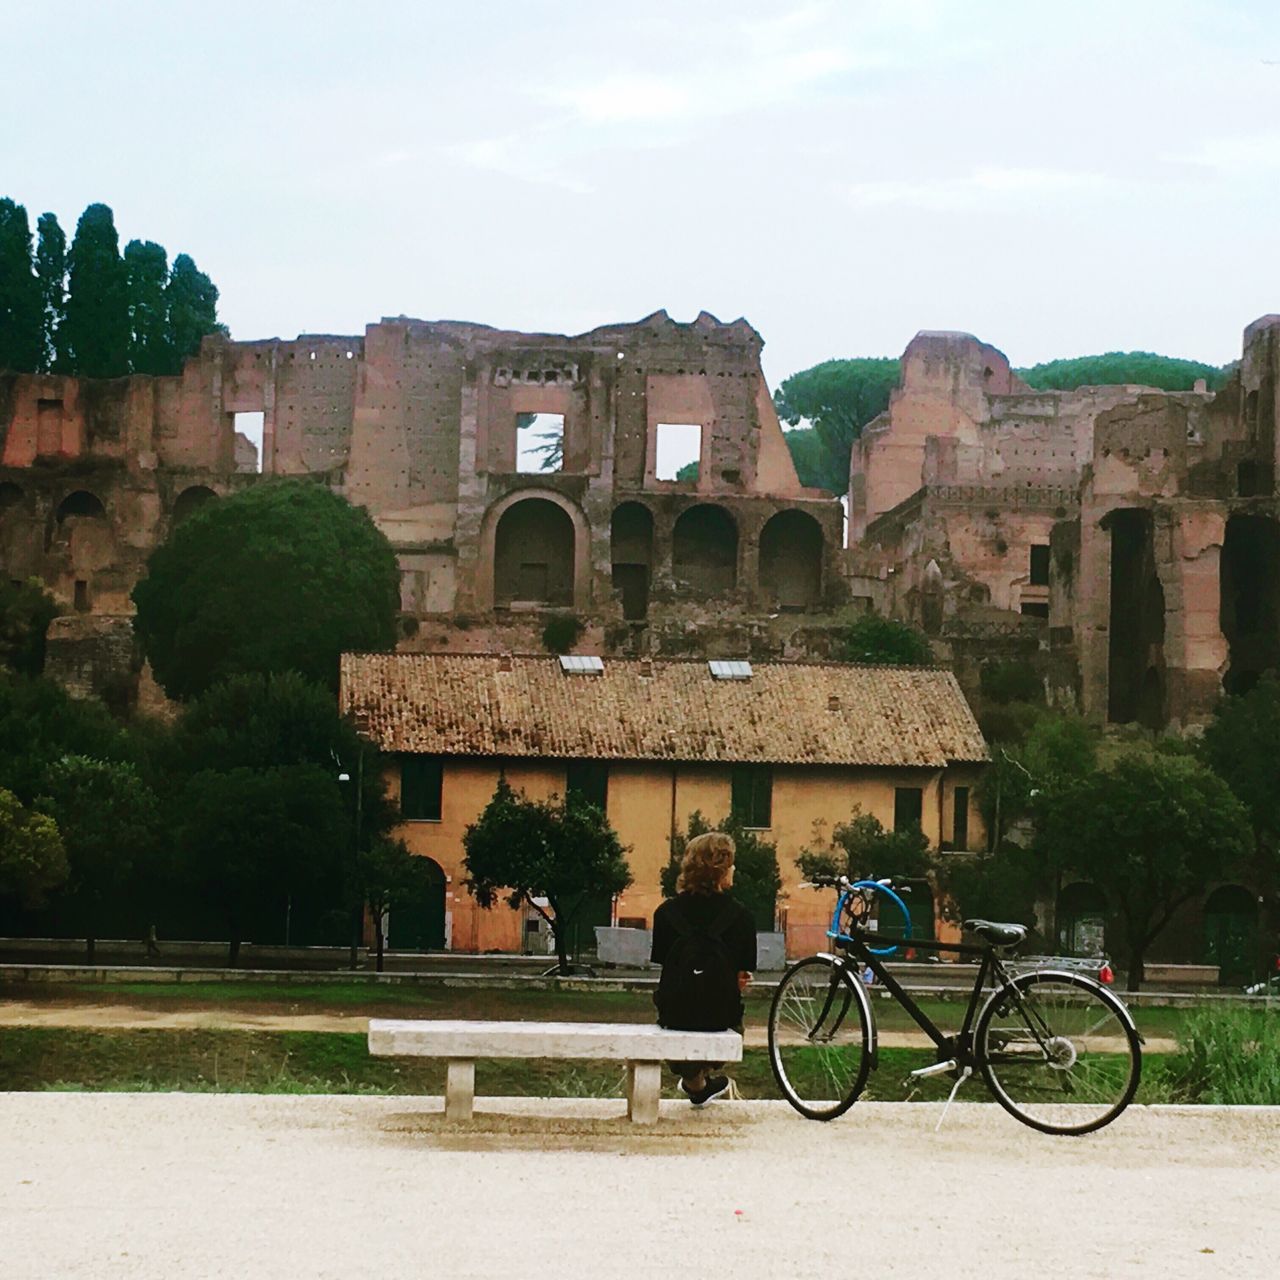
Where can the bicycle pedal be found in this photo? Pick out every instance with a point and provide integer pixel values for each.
(935, 1069)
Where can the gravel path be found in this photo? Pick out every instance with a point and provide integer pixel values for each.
(208, 1186)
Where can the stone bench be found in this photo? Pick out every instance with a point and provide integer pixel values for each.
(642, 1047)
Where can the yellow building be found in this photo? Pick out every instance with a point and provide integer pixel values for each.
(791, 744)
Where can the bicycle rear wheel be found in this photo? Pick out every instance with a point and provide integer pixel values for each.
(820, 1038)
(1059, 1052)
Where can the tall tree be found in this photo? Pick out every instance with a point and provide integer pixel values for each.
(839, 398)
(147, 274)
(97, 321)
(51, 271)
(281, 577)
(19, 292)
(192, 303)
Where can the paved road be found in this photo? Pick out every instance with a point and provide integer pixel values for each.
(207, 1186)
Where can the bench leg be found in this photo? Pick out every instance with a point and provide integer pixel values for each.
(644, 1085)
(459, 1089)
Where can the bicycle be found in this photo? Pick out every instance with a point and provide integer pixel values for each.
(1057, 1050)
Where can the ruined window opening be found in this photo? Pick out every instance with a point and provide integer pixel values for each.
(539, 442)
(80, 503)
(81, 596)
(534, 555)
(1135, 665)
(631, 555)
(1040, 564)
(677, 449)
(1249, 611)
(704, 550)
(249, 427)
(1035, 609)
(791, 549)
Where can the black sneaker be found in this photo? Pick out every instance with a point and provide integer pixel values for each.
(716, 1087)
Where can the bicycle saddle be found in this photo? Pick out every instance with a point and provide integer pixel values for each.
(999, 935)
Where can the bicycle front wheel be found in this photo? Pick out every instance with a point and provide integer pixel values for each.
(1059, 1052)
(820, 1038)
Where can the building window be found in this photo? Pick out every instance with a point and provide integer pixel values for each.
(1035, 609)
(908, 807)
(588, 780)
(421, 780)
(752, 795)
(960, 822)
(1040, 564)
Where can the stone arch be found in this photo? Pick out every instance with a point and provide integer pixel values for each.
(631, 556)
(1249, 608)
(80, 503)
(536, 545)
(191, 499)
(704, 550)
(791, 551)
(1082, 919)
(1231, 931)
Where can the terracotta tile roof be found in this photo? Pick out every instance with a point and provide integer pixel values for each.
(787, 713)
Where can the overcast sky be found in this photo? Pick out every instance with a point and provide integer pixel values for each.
(1058, 178)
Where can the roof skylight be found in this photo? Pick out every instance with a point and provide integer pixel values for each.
(721, 670)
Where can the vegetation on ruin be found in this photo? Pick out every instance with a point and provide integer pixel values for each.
(91, 310)
(284, 576)
(1143, 368)
(26, 610)
(757, 882)
(837, 398)
(553, 856)
(871, 638)
(561, 632)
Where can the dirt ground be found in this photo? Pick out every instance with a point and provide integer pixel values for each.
(175, 1186)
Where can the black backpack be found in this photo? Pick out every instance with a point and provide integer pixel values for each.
(698, 989)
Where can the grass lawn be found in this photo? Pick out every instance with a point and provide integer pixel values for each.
(38, 1058)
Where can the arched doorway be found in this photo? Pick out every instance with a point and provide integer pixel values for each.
(417, 923)
(631, 555)
(704, 550)
(1231, 932)
(791, 560)
(1082, 920)
(190, 500)
(533, 560)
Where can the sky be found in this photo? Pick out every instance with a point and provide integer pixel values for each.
(1058, 178)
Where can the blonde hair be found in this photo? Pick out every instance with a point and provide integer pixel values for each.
(708, 859)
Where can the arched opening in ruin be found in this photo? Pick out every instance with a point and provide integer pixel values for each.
(10, 497)
(190, 500)
(533, 554)
(1135, 666)
(704, 550)
(1250, 599)
(80, 503)
(1231, 932)
(791, 546)
(1082, 920)
(631, 556)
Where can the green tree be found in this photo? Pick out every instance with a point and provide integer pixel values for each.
(756, 878)
(561, 852)
(815, 467)
(20, 328)
(191, 303)
(249, 836)
(390, 876)
(147, 275)
(863, 850)
(688, 474)
(108, 820)
(839, 398)
(285, 576)
(1001, 885)
(26, 610)
(96, 328)
(32, 859)
(1150, 829)
(1144, 368)
(51, 272)
(871, 638)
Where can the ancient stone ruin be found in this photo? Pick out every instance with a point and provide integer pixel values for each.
(1120, 541)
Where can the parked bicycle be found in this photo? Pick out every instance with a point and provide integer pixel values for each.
(1057, 1049)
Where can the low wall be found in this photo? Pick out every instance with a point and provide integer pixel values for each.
(631, 948)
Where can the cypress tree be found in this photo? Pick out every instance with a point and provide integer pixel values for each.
(19, 292)
(97, 324)
(192, 300)
(147, 271)
(51, 271)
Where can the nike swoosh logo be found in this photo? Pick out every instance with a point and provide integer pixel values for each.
(697, 973)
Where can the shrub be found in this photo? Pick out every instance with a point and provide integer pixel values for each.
(1230, 1056)
(561, 632)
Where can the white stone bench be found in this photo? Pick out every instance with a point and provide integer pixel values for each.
(642, 1047)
